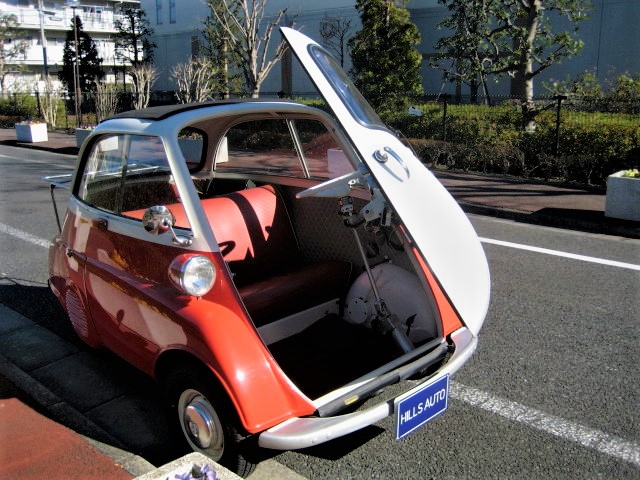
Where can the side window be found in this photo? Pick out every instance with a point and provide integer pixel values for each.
(126, 174)
(101, 182)
(294, 147)
(323, 156)
(262, 147)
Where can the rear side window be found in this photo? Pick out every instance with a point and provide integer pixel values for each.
(261, 147)
(125, 174)
(287, 147)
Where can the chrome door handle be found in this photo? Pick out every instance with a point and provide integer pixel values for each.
(382, 157)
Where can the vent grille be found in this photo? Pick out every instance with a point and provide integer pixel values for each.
(77, 314)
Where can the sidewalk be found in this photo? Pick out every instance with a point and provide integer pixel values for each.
(517, 199)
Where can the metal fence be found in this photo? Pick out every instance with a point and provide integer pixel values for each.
(441, 111)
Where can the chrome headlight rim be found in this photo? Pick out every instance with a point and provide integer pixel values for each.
(192, 274)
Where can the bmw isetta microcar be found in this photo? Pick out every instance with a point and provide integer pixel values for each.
(283, 272)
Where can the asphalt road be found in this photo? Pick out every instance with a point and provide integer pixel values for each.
(552, 391)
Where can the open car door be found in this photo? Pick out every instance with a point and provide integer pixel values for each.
(437, 225)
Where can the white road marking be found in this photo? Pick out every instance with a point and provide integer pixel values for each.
(558, 253)
(574, 432)
(27, 237)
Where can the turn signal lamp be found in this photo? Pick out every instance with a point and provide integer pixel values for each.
(192, 274)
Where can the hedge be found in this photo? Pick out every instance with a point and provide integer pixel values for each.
(490, 140)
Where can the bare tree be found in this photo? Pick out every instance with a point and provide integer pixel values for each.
(50, 102)
(13, 46)
(106, 100)
(335, 32)
(195, 80)
(144, 75)
(242, 21)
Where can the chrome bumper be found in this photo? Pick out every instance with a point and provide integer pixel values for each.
(297, 433)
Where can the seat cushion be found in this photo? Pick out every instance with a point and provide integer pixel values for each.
(295, 290)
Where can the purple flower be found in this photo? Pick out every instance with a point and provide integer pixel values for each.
(184, 476)
(208, 473)
(204, 473)
(197, 473)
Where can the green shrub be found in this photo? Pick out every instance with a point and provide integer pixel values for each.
(20, 105)
(479, 158)
(592, 145)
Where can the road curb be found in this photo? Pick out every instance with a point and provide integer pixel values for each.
(607, 227)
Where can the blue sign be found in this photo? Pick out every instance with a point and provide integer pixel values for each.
(417, 407)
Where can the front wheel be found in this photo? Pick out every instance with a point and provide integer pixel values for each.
(200, 414)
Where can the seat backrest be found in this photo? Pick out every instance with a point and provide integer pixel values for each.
(254, 232)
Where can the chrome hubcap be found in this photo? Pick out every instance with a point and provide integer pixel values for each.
(200, 423)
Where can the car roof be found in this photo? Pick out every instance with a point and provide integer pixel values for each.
(165, 111)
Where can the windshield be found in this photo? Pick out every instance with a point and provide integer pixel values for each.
(347, 91)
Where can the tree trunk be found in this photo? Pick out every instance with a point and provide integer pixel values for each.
(531, 27)
(473, 91)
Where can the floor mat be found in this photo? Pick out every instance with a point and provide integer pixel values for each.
(330, 354)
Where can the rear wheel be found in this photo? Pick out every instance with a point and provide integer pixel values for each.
(201, 415)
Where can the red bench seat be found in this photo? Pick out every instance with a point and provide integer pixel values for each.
(255, 235)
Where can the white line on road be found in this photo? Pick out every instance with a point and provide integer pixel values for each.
(558, 253)
(559, 427)
(24, 235)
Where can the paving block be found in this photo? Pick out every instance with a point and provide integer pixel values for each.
(82, 380)
(11, 320)
(137, 422)
(33, 347)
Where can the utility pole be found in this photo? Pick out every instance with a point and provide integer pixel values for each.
(43, 41)
(76, 69)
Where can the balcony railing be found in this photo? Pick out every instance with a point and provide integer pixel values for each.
(101, 19)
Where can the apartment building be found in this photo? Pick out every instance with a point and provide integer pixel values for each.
(53, 19)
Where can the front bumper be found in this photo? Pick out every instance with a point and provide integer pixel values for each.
(297, 433)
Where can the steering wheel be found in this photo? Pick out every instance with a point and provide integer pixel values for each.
(336, 187)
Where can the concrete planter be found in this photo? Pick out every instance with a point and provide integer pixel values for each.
(81, 135)
(623, 197)
(183, 465)
(191, 149)
(31, 132)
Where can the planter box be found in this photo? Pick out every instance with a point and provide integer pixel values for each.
(31, 133)
(183, 465)
(81, 135)
(191, 149)
(623, 197)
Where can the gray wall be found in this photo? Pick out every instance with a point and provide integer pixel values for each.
(611, 36)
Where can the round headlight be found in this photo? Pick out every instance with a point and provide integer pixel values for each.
(193, 274)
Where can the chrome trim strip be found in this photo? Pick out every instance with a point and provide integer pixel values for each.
(297, 433)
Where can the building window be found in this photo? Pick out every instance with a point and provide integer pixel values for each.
(172, 11)
(159, 12)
